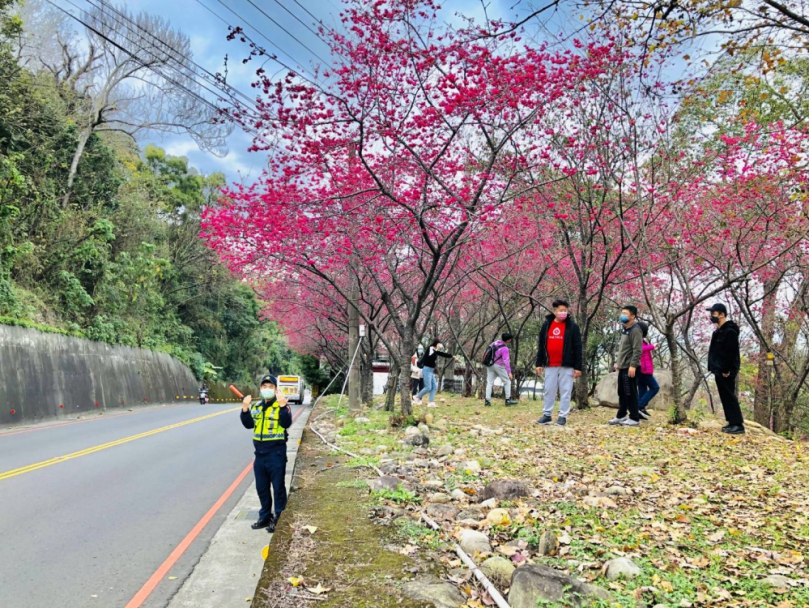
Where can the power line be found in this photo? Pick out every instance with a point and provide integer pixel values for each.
(290, 34)
(299, 20)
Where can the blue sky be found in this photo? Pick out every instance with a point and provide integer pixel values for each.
(208, 35)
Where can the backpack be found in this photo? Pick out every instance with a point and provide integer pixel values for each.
(490, 354)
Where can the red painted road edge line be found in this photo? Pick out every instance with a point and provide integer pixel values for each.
(143, 594)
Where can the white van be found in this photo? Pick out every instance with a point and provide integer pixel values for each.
(292, 388)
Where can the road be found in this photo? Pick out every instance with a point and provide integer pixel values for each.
(91, 529)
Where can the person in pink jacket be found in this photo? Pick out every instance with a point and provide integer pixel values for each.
(647, 385)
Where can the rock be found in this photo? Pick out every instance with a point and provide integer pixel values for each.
(490, 503)
(367, 452)
(439, 497)
(458, 494)
(362, 420)
(616, 491)
(620, 567)
(473, 541)
(424, 429)
(429, 418)
(600, 502)
(444, 450)
(498, 570)
(471, 466)
(778, 581)
(607, 391)
(441, 512)
(418, 440)
(381, 448)
(504, 489)
(462, 574)
(434, 483)
(532, 584)
(384, 511)
(470, 514)
(386, 482)
(548, 544)
(498, 517)
(441, 594)
(411, 431)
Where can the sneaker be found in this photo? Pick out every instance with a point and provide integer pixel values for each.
(630, 422)
(416, 401)
(561, 421)
(616, 421)
(431, 404)
(545, 420)
(645, 415)
(734, 430)
(511, 402)
(487, 403)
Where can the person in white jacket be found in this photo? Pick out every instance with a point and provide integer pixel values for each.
(416, 378)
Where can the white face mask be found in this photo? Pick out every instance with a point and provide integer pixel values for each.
(267, 393)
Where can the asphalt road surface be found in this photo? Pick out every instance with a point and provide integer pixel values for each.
(90, 510)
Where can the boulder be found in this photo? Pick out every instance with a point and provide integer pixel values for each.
(424, 429)
(498, 570)
(607, 391)
(620, 567)
(473, 541)
(548, 544)
(439, 498)
(418, 440)
(386, 482)
(444, 450)
(412, 431)
(532, 584)
(441, 594)
(442, 512)
(505, 489)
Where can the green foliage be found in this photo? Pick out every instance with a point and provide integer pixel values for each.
(399, 495)
(122, 262)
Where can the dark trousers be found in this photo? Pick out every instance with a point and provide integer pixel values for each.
(627, 395)
(416, 384)
(647, 389)
(270, 469)
(730, 402)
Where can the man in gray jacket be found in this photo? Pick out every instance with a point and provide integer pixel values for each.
(627, 365)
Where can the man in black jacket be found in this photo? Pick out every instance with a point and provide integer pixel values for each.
(559, 356)
(269, 418)
(724, 361)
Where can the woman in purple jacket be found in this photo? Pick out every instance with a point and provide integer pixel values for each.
(647, 385)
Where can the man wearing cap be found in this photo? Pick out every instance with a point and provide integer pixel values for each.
(269, 418)
(724, 362)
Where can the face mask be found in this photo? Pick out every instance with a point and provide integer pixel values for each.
(420, 350)
(267, 393)
(561, 316)
(624, 318)
(715, 320)
(439, 347)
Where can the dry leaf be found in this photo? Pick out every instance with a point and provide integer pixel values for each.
(310, 529)
(295, 581)
(320, 589)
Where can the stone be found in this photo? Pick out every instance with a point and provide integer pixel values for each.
(418, 440)
(489, 503)
(616, 491)
(620, 567)
(473, 541)
(498, 570)
(381, 448)
(471, 466)
(458, 494)
(505, 489)
(441, 512)
(362, 420)
(498, 517)
(424, 429)
(600, 502)
(367, 452)
(429, 418)
(412, 431)
(386, 482)
(434, 484)
(779, 581)
(548, 543)
(470, 514)
(532, 584)
(439, 497)
(444, 450)
(441, 594)
(607, 391)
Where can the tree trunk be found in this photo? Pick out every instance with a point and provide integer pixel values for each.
(367, 371)
(407, 351)
(581, 392)
(467, 380)
(390, 393)
(84, 137)
(764, 398)
(680, 416)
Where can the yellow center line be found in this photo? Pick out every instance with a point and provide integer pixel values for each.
(104, 446)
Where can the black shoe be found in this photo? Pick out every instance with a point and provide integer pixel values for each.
(262, 523)
(645, 415)
(726, 427)
(734, 430)
(271, 526)
(487, 403)
(511, 402)
(561, 421)
(545, 420)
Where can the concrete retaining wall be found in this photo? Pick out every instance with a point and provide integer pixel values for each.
(45, 376)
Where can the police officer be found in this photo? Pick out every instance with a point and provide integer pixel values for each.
(269, 418)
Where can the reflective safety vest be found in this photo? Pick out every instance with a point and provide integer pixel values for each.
(267, 427)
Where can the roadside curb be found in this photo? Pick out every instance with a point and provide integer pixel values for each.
(229, 570)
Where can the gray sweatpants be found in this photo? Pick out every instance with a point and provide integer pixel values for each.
(497, 371)
(558, 379)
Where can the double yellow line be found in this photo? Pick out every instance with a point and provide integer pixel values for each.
(98, 448)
